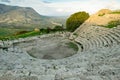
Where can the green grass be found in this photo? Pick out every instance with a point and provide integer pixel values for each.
(75, 34)
(28, 34)
(101, 14)
(6, 31)
(72, 45)
(10, 34)
(115, 12)
(10, 31)
(113, 24)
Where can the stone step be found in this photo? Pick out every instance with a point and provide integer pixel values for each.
(46, 77)
(111, 39)
(10, 77)
(91, 43)
(94, 43)
(110, 42)
(117, 34)
(114, 36)
(100, 42)
(68, 75)
(82, 42)
(116, 30)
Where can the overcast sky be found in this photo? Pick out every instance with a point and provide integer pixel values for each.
(64, 7)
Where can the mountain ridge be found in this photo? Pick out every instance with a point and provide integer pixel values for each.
(21, 17)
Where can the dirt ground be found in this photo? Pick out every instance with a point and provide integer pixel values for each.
(48, 48)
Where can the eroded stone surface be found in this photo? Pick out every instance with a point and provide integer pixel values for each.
(95, 64)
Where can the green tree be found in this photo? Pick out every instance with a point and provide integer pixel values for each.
(57, 27)
(75, 20)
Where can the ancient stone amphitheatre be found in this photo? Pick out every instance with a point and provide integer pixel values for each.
(98, 57)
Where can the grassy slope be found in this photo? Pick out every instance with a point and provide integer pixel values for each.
(112, 24)
(115, 12)
(8, 34)
(6, 31)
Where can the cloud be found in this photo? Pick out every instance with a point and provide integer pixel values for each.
(66, 7)
(5, 1)
(90, 6)
(47, 2)
(38, 5)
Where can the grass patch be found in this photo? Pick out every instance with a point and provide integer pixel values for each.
(72, 45)
(75, 34)
(5, 31)
(101, 14)
(115, 12)
(11, 34)
(112, 24)
(28, 34)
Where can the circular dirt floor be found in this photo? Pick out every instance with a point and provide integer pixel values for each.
(49, 48)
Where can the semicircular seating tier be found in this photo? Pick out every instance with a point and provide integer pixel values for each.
(93, 33)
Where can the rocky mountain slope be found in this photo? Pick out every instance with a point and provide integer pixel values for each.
(22, 17)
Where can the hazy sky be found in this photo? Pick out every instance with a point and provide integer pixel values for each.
(64, 7)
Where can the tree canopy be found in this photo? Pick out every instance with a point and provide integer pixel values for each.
(75, 20)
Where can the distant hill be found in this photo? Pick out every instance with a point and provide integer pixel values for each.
(25, 17)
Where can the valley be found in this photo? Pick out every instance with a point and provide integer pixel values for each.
(16, 18)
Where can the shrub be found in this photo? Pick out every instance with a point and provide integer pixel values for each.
(115, 13)
(113, 24)
(101, 14)
(58, 27)
(29, 34)
(75, 20)
(21, 32)
(75, 34)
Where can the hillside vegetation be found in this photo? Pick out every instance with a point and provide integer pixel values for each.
(115, 12)
(6, 32)
(75, 20)
(10, 34)
(16, 20)
(103, 18)
(112, 24)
